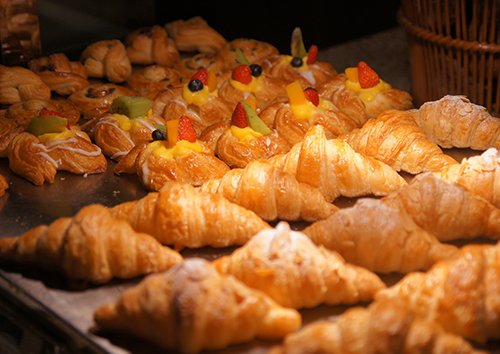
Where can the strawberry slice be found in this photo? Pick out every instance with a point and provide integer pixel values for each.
(367, 77)
(48, 112)
(312, 55)
(201, 75)
(186, 130)
(239, 117)
(242, 74)
(312, 95)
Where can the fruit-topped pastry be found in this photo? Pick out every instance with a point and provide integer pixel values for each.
(302, 65)
(248, 138)
(174, 153)
(197, 99)
(130, 121)
(303, 109)
(360, 93)
(248, 81)
(49, 144)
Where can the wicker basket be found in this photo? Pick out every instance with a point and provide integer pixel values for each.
(453, 47)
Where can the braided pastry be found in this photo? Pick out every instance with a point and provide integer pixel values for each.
(107, 59)
(151, 45)
(20, 84)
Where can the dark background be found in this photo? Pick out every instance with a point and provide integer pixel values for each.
(69, 25)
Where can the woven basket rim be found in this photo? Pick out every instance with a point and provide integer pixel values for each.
(445, 41)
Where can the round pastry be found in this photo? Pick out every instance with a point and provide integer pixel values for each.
(149, 81)
(190, 65)
(107, 59)
(195, 35)
(255, 51)
(20, 84)
(151, 45)
(22, 112)
(61, 75)
(96, 99)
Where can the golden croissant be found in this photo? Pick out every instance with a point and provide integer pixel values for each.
(395, 139)
(453, 121)
(446, 210)
(192, 307)
(335, 169)
(270, 193)
(179, 215)
(387, 327)
(460, 293)
(291, 269)
(90, 246)
(380, 238)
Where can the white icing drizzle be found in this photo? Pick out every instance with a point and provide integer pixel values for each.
(51, 160)
(179, 102)
(119, 153)
(145, 174)
(146, 124)
(121, 130)
(309, 76)
(57, 145)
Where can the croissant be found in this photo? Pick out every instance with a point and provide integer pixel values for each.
(22, 112)
(255, 51)
(181, 216)
(293, 271)
(20, 84)
(380, 238)
(89, 246)
(395, 139)
(480, 175)
(335, 169)
(460, 293)
(453, 121)
(149, 81)
(271, 194)
(387, 327)
(3, 185)
(107, 59)
(192, 307)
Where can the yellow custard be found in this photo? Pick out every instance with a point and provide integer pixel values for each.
(368, 95)
(288, 59)
(199, 97)
(303, 111)
(244, 134)
(126, 123)
(182, 148)
(48, 138)
(253, 86)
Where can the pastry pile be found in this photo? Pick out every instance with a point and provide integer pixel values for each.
(246, 149)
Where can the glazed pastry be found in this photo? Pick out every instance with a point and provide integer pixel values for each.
(22, 112)
(190, 65)
(395, 139)
(192, 307)
(151, 45)
(198, 102)
(91, 246)
(95, 100)
(302, 109)
(20, 84)
(384, 326)
(293, 271)
(179, 215)
(271, 194)
(362, 95)
(380, 238)
(3, 185)
(480, 175)
(195, 35)
(248, 139)
(446, 210)
(149, 81)
(61, 75)
(107, 59)
(460, 293)
(9, 129)
(453, 121)
(255, 51)
(335, 169)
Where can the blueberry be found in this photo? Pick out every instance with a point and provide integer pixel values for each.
(158, 135)
(195, 85)
(256, 70)
(296, 62)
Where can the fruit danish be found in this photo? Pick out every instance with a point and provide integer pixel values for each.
(192, 307)
(271, 194)
(61, 75)
(302, 109)
(294, 272)
(335, 169)
(22, 112)
(180, 215)
(107, 59)
(90, 246)
(3, 185)
(361, 94)
(49, 144)
(9, 129)
(149, 81)
(151, 45)
(248, 139)
(20, 84)
(190, 65)
(195, 35)
(255, 51)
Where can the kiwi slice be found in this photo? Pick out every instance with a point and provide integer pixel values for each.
(254, 120)
(40, 125)
(241, 58)
(298, 48)
(131, 106)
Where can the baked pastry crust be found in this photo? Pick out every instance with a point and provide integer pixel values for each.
(20, 84)
(3, 185)
(149, 81)
(151, 45)
(22, 112)
(107, 59)
(192, 307)
(255, 51)
(8, 130)
(190, 65)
